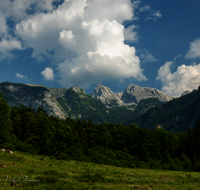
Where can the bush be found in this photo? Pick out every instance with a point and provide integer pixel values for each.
(175, 165)
(155, 164)
(144, 165)
(63, 156)
(186, 163)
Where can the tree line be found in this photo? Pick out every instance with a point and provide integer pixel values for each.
(33, 131)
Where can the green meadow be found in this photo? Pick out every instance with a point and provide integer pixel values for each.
(44, 172)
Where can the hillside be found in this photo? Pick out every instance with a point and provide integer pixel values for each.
(102, 105)
(146, 107)
(176, 115)
(61, 102)
(33, 96)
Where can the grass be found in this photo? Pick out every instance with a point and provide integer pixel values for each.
(47, 173)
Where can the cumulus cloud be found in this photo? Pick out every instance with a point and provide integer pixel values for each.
(7, 42)
(85, 43)
(48, 74)
(20, 9)
(130, 34)
(9, 45)
(194, 51)
(21, 76)
(6, 46)
(15, 11)
(185, 78)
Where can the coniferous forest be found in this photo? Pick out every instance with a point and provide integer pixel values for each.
(28, 130)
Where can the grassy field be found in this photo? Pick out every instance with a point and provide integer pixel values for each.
(47, 173)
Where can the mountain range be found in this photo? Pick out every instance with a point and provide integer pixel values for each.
(140, 105)
(131, 96)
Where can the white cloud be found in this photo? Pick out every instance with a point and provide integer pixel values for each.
(48, 74)
(85, 43)
(16, 11)
(175, 58)
(130, 34)
(144, 8)
(21, 76)
(9, 45)
(6, 46)
(3, 28)
(157, 14)
(185, 78)
(19, 9)
(7, 42)
(145, 56)
(194, 51)
(154, 16)
(119, 10)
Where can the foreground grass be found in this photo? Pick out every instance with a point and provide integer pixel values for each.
(46, 173)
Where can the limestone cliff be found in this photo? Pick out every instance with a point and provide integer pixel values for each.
(33, 96)
(134, 93)
(106, 96)
(131, 96)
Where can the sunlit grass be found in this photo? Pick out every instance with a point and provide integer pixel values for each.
(59, 175)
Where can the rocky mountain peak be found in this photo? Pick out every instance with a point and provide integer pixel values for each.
(77, 89)
(185, 93)
(101, 91)
(105, 95)
(132, 88)
(132, 95)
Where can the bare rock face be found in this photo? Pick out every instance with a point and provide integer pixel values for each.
(77, 89)
(62, 102)
(32, 96)
(132, 95)
(106, 96)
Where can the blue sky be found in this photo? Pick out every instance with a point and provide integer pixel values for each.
(60, 43)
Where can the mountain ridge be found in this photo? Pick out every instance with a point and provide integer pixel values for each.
(101, 106)
(176, 115)
(138, 105)
(131, 95)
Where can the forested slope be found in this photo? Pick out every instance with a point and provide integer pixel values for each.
(176, 115)
(25, 129)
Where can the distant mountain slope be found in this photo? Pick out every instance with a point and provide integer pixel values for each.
(33, 96)
(176, 115)
(102, 106)
(134, 93)
(106, 96)
(62, 102)
(131, 96)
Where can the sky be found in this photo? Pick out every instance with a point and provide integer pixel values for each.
(65, 43)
